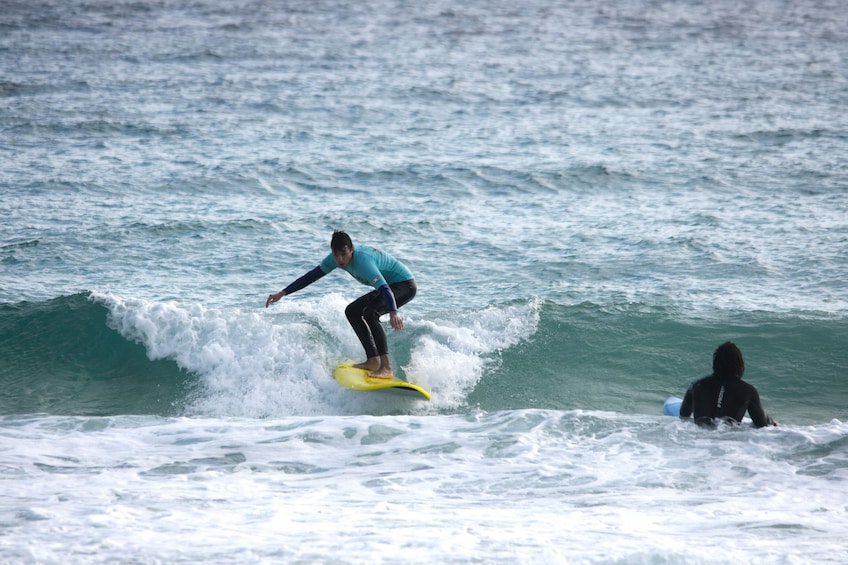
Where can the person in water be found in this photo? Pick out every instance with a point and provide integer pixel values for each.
(394, 286)
(724, 396)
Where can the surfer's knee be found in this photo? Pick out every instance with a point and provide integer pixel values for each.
(353, 312)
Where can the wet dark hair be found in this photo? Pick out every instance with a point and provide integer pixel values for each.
(340, 240)
(728, 362)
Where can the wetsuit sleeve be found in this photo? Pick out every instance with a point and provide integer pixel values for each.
(686, 405)
(388, 297)
(305, 280)
(755, 410)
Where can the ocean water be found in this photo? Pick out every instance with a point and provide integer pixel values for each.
(592, 197)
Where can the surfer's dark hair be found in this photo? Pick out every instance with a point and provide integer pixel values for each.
(728, 362)
(340, 241)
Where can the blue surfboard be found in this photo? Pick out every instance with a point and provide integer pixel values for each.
(671, 406)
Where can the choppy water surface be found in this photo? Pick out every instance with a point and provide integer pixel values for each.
(592, 197)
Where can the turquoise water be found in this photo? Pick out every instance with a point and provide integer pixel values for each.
(91, 355)
(592, 197)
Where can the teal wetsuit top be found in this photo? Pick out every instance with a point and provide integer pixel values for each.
(371, 267)
(368, 265)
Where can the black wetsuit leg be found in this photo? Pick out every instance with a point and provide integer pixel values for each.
(364, 316)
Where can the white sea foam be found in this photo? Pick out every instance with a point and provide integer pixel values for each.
(278, 362)
(517, 486)
(451, 358)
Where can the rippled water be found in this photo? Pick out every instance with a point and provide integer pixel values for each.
(592, 196)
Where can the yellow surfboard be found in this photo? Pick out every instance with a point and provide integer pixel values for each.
(357, 379)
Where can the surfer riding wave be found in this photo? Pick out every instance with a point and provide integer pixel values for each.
(393, 285)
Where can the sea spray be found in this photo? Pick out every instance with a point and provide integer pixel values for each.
(277, 361)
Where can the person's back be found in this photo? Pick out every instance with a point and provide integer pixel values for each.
(724, 396)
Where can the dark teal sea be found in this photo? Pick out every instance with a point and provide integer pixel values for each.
(67, 356)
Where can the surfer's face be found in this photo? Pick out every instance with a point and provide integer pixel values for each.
(343, 257)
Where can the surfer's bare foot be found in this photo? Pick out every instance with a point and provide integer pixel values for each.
(381, 373)
(377, 367)
(370, 365)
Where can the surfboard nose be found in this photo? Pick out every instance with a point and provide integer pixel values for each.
(671, 406)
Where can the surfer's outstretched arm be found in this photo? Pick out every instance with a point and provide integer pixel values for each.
(300, 283)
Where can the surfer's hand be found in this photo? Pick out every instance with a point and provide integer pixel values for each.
(395, 321)
(274, 297)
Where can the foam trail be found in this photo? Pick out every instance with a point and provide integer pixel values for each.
(277, 362)
(247, 364)
(452, 359)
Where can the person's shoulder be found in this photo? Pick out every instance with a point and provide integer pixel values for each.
(364, 252)
(702, 380)
(747, 386)
(327, 264)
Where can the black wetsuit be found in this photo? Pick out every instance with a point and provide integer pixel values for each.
(714, 400)
(364, 316)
